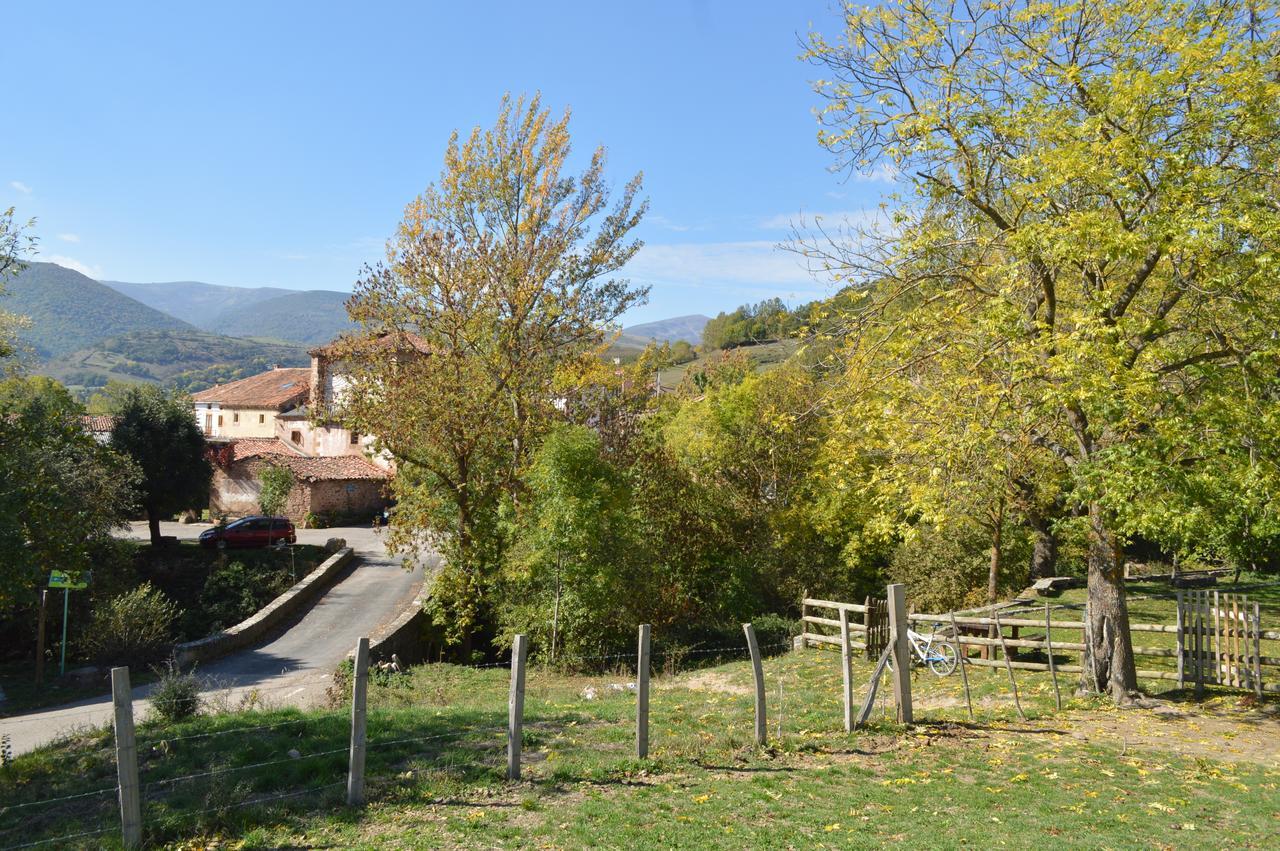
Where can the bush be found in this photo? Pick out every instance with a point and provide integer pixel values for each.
(176, 696)
(132, 628)
(946, 568)
(277, 483)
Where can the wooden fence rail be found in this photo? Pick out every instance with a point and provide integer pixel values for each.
(1224, 648)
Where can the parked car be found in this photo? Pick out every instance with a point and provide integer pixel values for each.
(251, 532)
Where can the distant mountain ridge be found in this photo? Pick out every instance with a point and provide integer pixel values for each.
(687, 328)
(69, 311)
(307, 317)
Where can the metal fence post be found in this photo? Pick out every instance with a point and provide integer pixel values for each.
(359, 697)
(901, 651)
(515, 706)
(126, 758)
(642, 693)
(762, 731)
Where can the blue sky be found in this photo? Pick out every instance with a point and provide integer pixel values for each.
(277, 143)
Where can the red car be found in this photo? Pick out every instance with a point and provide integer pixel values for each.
(251, 532)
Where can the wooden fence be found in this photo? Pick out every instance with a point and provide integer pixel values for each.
(1234, 625)
(872, 625)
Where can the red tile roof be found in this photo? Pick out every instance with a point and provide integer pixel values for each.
(395, 340)
(257, 447)
(279, 388)
(98, 422)
(332, 468)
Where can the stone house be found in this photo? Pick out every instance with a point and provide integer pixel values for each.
(346, 485)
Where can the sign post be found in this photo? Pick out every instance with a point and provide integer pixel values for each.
(67, 582)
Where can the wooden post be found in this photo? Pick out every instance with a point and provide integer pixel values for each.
(1181, 644)
(1200, 643)
(126, 758)
(846, 670)
(1053, 668)
(642, 694)
(1257, 649)
(1217, 638)
(44, 600)
(757, 667)
(359, 698)
(515, 706)
(962, 659)
(901, 651)
(868, 621)
(1004, 651)
(873, 687)
(804, 625)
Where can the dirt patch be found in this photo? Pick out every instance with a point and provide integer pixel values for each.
(1217, 732)
(716, 681)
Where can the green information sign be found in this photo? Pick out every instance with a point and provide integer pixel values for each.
(76, 582)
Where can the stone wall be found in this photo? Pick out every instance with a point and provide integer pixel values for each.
(358, 496)
(234, 492)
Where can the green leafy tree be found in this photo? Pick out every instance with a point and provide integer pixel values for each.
(496, 293)
(14, 239)
(277, 484)
(158, 431)
(1094, 193)
(64, 492)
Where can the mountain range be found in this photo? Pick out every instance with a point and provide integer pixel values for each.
(191, 334)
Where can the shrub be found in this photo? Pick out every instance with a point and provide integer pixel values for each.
(277, 482)
(176, 696)
(132, 628)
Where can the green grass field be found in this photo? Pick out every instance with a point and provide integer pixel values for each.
(1185, 775)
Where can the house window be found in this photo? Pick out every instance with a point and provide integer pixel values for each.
(219, 420)
(355, 438)
(235, 418)
(296, 436)
(262, 418)
(208, 423)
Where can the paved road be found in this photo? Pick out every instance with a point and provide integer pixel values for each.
(293, 667)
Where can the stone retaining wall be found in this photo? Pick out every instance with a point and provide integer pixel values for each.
(249, 631)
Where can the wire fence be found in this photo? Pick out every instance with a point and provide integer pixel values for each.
(318, 744)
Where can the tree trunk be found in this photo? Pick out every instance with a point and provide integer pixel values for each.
(153, 523)
(1108, 655)
(993, 570)
(1044, 547)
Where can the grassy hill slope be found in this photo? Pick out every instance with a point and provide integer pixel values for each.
(310, 317)
(193, 301)
(69, 311)
(189, 360)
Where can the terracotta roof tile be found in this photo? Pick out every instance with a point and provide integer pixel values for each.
(398, 340)
(98, 422)
(278, 388)
(257, 447)
(332, 468)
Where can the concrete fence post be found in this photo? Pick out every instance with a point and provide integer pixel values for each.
(758, 669)
(126, 758)
(898, 625)
(359, 699)
(642, 694)
(515, 706)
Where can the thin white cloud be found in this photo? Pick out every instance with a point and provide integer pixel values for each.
(69, 237)
(665, 223)
(749, 271)
(74, 264)
(828, 220)
(883, 173)
(20, 186)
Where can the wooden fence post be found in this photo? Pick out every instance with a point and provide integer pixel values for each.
(868, 621)
(846, 670)
(962, 659)
(359, 700)
(1200, 643)
(126, 758)
(642, 694)
(515, 706)
(1008, 663)
(1257, 649)
(901, 651)
(804, 624)
(762, 731)
(1181, 645)
(1053, 668)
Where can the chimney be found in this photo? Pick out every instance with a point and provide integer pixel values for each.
(319, 376)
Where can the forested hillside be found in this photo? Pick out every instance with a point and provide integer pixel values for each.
(69, 311)
(193, 301)
(310, 317)
(187, 360)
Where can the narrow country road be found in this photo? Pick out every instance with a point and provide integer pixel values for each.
(290, 668)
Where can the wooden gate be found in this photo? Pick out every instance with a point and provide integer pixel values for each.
(876, 620)
(1219, 640)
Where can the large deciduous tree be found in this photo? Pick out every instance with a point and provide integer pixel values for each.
(1094, 191)
(499, 283)
(158, 430)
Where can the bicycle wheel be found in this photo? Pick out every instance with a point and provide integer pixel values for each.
(942, 659)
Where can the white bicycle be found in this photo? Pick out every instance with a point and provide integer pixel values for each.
(932, 650)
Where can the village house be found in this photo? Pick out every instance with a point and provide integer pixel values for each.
(249, 407)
